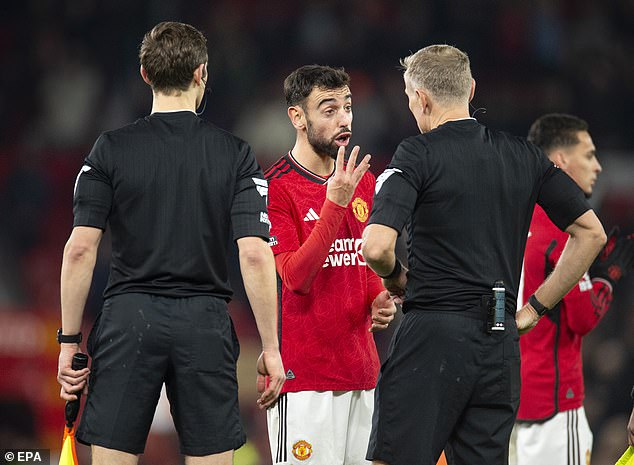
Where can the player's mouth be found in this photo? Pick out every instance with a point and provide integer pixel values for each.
(343, 139)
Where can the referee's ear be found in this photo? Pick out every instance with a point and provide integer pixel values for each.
(145, 76)
(472, 91)
(200, 74)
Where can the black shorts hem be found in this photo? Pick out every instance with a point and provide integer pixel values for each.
(217, 449)
(387, 458)
(92, 440)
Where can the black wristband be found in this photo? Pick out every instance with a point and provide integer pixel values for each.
(395, 272)
(68, 338)
(537, 305)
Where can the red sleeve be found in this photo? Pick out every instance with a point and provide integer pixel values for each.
(298, 268)
(587, 302)
(375, 285)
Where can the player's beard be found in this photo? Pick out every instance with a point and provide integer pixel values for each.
(321, 145)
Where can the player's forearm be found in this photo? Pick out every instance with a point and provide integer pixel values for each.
(258, 274)
(76, 276)
(587, 237)
(299, 268)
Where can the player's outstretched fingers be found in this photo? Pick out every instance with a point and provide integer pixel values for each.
(341, 154)
(352, 160)
(361, 169)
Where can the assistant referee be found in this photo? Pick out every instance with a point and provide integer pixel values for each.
(466, 194)
(174, 190)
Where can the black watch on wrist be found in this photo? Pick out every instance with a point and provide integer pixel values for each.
(398, 267)
(68, 338)
(537, 305)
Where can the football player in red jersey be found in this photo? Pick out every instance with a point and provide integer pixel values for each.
(551, 426)
(331, 302)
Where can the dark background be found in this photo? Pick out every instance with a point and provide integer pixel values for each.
(69, 70)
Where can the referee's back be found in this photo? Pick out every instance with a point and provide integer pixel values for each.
(166, 186)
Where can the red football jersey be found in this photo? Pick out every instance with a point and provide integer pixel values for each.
(324, 338)
(552, 372)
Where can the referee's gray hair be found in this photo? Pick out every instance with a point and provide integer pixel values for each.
(442, 70)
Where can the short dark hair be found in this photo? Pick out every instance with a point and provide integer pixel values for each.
(170, 53)
(556, 130)
(300, 83)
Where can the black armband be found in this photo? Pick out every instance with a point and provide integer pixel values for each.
(395, 272)
(537, 305)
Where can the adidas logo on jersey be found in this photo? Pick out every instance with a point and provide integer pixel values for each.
(290, 374)
(311, 215)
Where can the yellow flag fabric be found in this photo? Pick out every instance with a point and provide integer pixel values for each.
(68, 455)
(627, 458)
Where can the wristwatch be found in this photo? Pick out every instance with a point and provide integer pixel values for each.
(537, 305)
(68, 338)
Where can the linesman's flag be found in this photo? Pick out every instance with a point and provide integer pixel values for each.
(69, 454)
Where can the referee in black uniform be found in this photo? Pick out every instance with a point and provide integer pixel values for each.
(466, 194)
(174, 190)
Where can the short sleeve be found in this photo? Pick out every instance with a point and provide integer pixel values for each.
(561, 198)
(249, 216)
(93, 193)
(398, 186)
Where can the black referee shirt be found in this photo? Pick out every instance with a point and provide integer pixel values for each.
(173, 189)
(466, 194)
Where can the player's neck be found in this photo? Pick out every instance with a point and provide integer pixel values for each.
(303, 153)
(180, 101)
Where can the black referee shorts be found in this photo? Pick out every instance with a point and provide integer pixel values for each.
(446, 382)
(141, 341)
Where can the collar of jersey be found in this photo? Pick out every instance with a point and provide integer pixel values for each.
(308, 174)
(173, 111)
(460, 119)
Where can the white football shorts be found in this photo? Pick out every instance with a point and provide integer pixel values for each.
(321, 427)
(564, 439)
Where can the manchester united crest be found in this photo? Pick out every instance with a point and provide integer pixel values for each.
(302, 450)
(360, 209)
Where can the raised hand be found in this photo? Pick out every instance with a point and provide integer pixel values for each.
(342, 184)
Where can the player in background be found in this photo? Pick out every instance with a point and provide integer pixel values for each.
(331, 302)
(551, 426)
